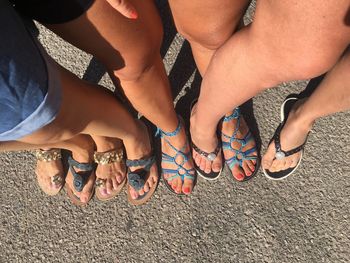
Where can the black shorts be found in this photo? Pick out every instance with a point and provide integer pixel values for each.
(52, 11)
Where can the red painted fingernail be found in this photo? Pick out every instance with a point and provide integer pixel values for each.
(133, 14)
(187, 190)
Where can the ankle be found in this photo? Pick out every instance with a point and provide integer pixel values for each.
(108, 144)
(82, 155)
(301, 118)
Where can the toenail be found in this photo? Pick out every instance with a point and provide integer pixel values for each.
(187, 190)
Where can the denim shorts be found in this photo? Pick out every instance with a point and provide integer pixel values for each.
(30, 88)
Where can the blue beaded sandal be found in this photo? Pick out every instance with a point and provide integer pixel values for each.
(138, 178)
(182, 154)
(79, 179)
(240, 155)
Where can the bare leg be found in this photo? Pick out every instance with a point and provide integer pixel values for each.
(130, 51)
(116, 122)
(333, 94)
(218, 20)
(260, 56)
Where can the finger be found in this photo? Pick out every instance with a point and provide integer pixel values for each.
(124, 7)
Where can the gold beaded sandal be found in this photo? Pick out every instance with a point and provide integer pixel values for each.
(49, 163)
(104, 158)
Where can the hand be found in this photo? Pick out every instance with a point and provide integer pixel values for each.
(124, 7)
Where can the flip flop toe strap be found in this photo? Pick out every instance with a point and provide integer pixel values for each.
(138, 178)
(80, 178)
(280, 154)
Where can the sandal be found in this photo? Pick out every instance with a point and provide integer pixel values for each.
(240, 155)
(138, 178)
(79, 179)
(209, 156)
(181, 171)
(286, 107)
(103, 158)
(57, 180)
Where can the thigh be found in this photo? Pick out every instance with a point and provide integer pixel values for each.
(314, 32)
(120, 43)
(208, 21)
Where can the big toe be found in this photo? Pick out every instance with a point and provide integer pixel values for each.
(133, 193)
(268, 157)
(238, 173)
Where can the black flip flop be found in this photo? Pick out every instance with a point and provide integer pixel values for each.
(286, 107)
(209, 156)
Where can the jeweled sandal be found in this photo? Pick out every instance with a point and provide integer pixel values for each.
(57, 180)
(239, 155)
(183, 154)
(79, 179)
(105, 158)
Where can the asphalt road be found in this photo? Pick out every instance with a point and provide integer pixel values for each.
(302, 219)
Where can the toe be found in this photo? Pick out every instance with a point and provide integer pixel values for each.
(141, 191)
(217, 163)
(115, 183)
(178, 186)
(267, 159)
(118, 178)
(146, 187)
(207, 169)
(238, 173)
(246, 168)
(198, 159)
(251, 165)
(187, 186)
(133, 193)
(109, 186)
(203, 164)
(86, 193)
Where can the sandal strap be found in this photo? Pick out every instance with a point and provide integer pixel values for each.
(48, 155)
(81, 177)
(162, 133)
(109, 156)
(138, 178)
(244, 155)
(234, 115)
(209, 156)
(181, 171)
(280, 154)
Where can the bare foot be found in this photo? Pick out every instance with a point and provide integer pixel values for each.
(243, 148)
(206, 142)
(293, 134)
(140, 148)
(49, 171)
(179, 174)
(111, 168)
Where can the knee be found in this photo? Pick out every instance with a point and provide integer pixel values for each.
(137, 64)
(210, 39)
(300, 62)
